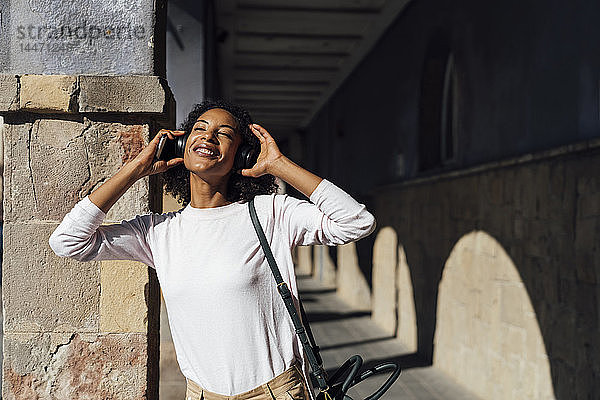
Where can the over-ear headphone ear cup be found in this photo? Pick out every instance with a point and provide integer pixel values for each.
(245, 157)
(180, 145)
(174, 148)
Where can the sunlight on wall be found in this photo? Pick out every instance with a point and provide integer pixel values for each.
(407, 319)
(385, 265)
(487, 334)
(303, 260)
(393, 299)
(170, 204)
(352, 287)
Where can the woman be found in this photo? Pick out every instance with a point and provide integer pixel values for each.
(232, 333)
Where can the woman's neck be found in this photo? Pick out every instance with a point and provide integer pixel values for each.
(208, 194)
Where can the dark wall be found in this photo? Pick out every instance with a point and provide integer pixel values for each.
(527, 77)
(186, 61)
(527, 80)
(545, 214)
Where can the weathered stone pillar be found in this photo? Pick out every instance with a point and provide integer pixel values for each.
(304, 263)
(323, 266)
(385, 265)
(76, 330)
(80, 96)
(352, 287)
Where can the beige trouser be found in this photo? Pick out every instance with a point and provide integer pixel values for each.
(289, 385)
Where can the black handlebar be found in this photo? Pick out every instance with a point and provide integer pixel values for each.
(381, 368)
(350, 369)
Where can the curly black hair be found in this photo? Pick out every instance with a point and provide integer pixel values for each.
(239, 187)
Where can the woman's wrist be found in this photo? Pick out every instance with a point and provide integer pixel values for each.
(290, 172)
(279, 166)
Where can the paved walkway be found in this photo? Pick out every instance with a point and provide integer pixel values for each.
(342, 332)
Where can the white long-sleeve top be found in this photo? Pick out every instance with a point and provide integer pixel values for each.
(230, 327)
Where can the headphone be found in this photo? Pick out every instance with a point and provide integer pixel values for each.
(245, 157)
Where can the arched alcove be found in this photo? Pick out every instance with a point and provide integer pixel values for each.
(487, 336)
(438, 100)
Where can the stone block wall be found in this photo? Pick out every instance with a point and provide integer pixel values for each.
(487, 324)
(72, 329)
(504, 264)
(108, 38)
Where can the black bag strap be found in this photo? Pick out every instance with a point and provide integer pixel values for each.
(310, 348)
(311, 337)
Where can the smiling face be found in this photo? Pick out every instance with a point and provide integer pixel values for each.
(212, 144)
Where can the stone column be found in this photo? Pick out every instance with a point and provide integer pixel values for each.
(303, 262)
(76, 330)
(352, 287)
(72, 329)
(385, 265)
(323, 266)
(80, 95)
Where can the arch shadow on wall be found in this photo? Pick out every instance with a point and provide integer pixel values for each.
(484, 331)
(486, 324)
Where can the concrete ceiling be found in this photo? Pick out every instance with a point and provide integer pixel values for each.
(283, 59)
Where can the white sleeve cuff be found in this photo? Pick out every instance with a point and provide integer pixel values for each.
(321, 187)
(94, 213)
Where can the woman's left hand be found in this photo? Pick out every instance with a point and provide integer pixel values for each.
(269, 153)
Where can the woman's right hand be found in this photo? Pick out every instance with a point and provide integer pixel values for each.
(142, 165)
(145, 162)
